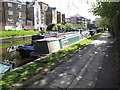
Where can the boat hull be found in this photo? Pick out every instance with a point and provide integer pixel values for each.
(25, 50)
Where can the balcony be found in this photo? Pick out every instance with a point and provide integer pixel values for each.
(79, 22)
(79, 18)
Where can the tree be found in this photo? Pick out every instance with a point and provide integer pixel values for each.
(63, 27)
(74, 26)
(56, 27)
(101, 23)
(109, 11)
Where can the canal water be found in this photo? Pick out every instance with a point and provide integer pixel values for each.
(14, 55)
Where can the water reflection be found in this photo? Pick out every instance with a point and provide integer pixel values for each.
(14, 55)
(6, 45)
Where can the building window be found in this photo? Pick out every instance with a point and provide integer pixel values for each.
(42, 22)
(9, 4)
(29, 23)
(21, 22)
(20, 14)
(37, 22)
(19, 6)
(10, 20)
(10, 12)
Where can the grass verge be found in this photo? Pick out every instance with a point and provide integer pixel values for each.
(25, 73)
(16, 33)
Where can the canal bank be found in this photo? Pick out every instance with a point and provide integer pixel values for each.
(92, 67)
(63, 39)
(8, 40)
(14, 55)
(40, 66)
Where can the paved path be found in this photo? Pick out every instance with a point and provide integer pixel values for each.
(93, 67)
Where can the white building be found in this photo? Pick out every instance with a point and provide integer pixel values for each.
(37, 16)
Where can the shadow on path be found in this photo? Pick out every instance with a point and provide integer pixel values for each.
(93, 67)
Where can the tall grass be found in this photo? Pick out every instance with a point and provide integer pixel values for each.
(16, 33)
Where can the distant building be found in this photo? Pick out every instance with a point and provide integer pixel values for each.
(78, 19)
(59, 17)
(1, 15)
(29, 16)
(51, 15)
(13, 14)
(43, 7)
(88, 21)
(91, 26)
(37, 16)
(97, 19)
(63, 18)
(67, 20)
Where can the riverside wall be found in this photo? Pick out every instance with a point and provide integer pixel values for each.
(8, 40)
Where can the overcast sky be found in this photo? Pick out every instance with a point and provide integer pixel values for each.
(71, 7)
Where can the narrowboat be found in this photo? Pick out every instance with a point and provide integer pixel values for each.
(25, 50)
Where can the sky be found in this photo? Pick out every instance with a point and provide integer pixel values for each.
(72, 7)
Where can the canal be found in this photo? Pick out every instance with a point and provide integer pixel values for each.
(14, 55)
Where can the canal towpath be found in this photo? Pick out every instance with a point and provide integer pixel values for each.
(93, 67)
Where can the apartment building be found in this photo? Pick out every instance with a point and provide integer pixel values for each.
(13, 14)
(51, 16)
(59, 17)
(29, 16)
(78, 19)
(1, 20)
(67, 20)
(36, 15)
(33, 14)
(88, 21)
(63, 18)
(43, 7)
(21, 15)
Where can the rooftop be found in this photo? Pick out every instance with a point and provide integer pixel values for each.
(13, 1)
(77, 15)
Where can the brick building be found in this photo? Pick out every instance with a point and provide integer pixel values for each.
(13, 14)
(16, 15)
(43, 7)
(78, 19)
(51, 16)
(63, 18)
(36, 20)
(1, 20)
(59, 17)
(29, 15)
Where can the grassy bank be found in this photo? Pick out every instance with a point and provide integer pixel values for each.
(25, 73)
(16, 33)
(6, 45)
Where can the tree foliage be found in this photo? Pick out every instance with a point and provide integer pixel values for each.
(101, 23)
(68, 26)
(75, 26)
(109, 11)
